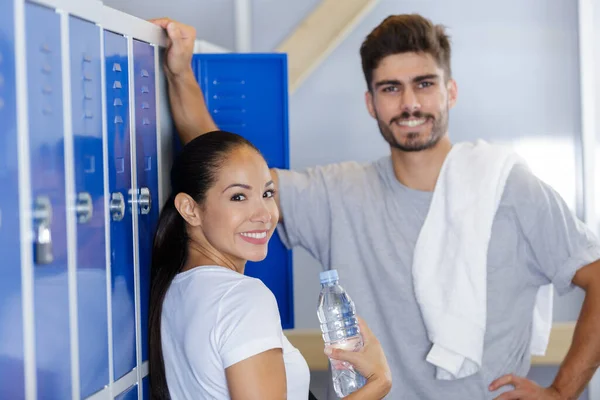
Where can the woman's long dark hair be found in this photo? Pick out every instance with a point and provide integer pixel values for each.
(194, 172)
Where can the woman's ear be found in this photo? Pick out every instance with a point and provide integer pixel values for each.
(188, 208)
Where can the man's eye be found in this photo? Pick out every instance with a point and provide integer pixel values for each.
(390, 89)
(238, 197)
(425, 84)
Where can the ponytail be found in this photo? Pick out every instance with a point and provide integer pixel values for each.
(168, 255)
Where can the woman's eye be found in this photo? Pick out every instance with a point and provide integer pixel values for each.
(238, 197)
(269, 193)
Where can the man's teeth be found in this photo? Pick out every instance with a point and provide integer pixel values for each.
(261, 235)
(412, 122)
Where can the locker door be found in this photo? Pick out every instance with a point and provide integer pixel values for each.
(45, 115)
(86, 104)
(11, 312)
(129, 394)
(147, 174)
(247, 94)
(116, 65)
(146, 388)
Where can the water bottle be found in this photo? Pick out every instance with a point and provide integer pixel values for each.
(339, 325)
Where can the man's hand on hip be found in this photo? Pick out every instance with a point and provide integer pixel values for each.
(524, 389)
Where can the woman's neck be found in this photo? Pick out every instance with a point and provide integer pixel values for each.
(204, 254)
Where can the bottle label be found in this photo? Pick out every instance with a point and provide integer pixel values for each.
(352, 344)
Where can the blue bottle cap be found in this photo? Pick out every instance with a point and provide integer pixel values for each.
(329, 276)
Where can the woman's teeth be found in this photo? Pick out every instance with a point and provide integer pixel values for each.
(260, 235)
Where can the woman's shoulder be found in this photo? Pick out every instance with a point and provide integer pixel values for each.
(223, 285)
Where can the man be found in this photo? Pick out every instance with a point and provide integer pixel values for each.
(364, 220)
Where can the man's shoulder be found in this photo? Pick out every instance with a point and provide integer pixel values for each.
(341, 172)
(524, 187)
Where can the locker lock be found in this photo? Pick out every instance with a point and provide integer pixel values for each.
(117, 206)
(42, 219)
(145, 201)
(84, 207)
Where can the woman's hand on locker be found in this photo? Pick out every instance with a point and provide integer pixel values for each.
(180, 48)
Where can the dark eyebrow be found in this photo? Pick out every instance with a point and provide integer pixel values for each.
(419, 78)
(426, 77)
(243, 186)
(387, 82)
(240, 185)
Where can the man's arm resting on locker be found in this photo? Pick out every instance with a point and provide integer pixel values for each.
(189, 111)
(260, 377)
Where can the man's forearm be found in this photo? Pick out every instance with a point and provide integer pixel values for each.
(188, 108)
(583, 357)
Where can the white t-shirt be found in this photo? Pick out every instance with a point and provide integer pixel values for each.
(212, 318)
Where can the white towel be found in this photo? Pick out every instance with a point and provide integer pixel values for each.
(450, 260)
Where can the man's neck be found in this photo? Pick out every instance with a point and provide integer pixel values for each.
(419, 170)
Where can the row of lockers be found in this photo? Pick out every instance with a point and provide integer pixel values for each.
(81, 159)
(56, 250)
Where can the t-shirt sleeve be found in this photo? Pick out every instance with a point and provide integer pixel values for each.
(248, 322)
(304, 199)
(559, 243)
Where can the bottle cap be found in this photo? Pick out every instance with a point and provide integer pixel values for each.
(329, 276)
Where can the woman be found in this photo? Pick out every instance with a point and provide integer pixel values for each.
(214, 332)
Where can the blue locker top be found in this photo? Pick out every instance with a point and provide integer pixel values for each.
(247, 94)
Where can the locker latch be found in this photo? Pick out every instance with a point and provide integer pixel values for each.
(145, 201)
(42, 219)
(84, 207)
(117, 206)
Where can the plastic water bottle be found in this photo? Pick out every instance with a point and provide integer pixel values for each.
(339, 325)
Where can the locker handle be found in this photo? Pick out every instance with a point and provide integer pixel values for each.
(84, 207)
(42, 216)
(117, 206)
(145, 201)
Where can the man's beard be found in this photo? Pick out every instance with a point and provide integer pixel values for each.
(413, 143)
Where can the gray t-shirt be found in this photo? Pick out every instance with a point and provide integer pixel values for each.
(361, 220)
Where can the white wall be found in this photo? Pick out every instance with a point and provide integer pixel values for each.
(213, 19)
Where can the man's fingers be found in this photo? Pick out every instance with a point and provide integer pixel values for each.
(188, 32)
(504, 380)
(162, 22)
(173, 31)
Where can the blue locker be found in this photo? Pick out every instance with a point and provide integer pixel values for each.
(12, 379)
(45, 115)
(147, 171)
(146, 388)
(129, 394)
(247, 94)
(121, 225)
(86, 111)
